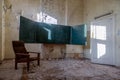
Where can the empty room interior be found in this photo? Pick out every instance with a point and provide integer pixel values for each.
(59, 39)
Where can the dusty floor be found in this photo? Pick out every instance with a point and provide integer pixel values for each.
(67, 69)
(7, 71)
(71, 69)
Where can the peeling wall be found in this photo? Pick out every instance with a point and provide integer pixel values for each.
(55, 9)
(74, 51)
(13, 10)
(1, 30)
(74, 12)
(93, 8)
(53, 51)
(64, 11)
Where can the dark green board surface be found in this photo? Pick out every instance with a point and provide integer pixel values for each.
(43, 32)
(78, 34)
(37, 32)
(61, 34)
(27, 30)
(51, 33)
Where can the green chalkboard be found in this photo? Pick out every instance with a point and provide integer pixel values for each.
(44, 33)
(27, 31)
(38, 32)
(78, 34)
(61, 34)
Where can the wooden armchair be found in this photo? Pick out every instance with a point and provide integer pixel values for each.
(21, 54)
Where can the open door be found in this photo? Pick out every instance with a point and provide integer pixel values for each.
(102, 41)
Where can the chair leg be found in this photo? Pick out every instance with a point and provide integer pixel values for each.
(38, 62)
(15, 64)
(28, 64)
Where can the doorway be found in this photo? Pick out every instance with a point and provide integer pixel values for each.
(103, 41)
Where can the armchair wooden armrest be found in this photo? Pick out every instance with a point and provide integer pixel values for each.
(34, 52)
(19, 54)
(38, 56)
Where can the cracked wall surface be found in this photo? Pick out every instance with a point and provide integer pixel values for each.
(74, 12)
(1, 31)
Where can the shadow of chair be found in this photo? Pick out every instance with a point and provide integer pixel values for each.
(21, 54)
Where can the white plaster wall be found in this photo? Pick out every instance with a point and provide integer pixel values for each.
(55, 9)
(74, 12)
(0, 30)
(74, 49)
(3, 30)
(93, 8)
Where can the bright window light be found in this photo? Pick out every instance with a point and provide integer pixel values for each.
(101, 50)
(42, 17)
(101, 32)
(98, 32)
(49, 33)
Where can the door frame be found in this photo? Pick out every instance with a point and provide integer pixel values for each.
(113, 32)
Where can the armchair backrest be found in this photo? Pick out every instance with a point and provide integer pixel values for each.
(19, 47)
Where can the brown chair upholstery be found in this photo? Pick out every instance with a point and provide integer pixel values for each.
(21, 54)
